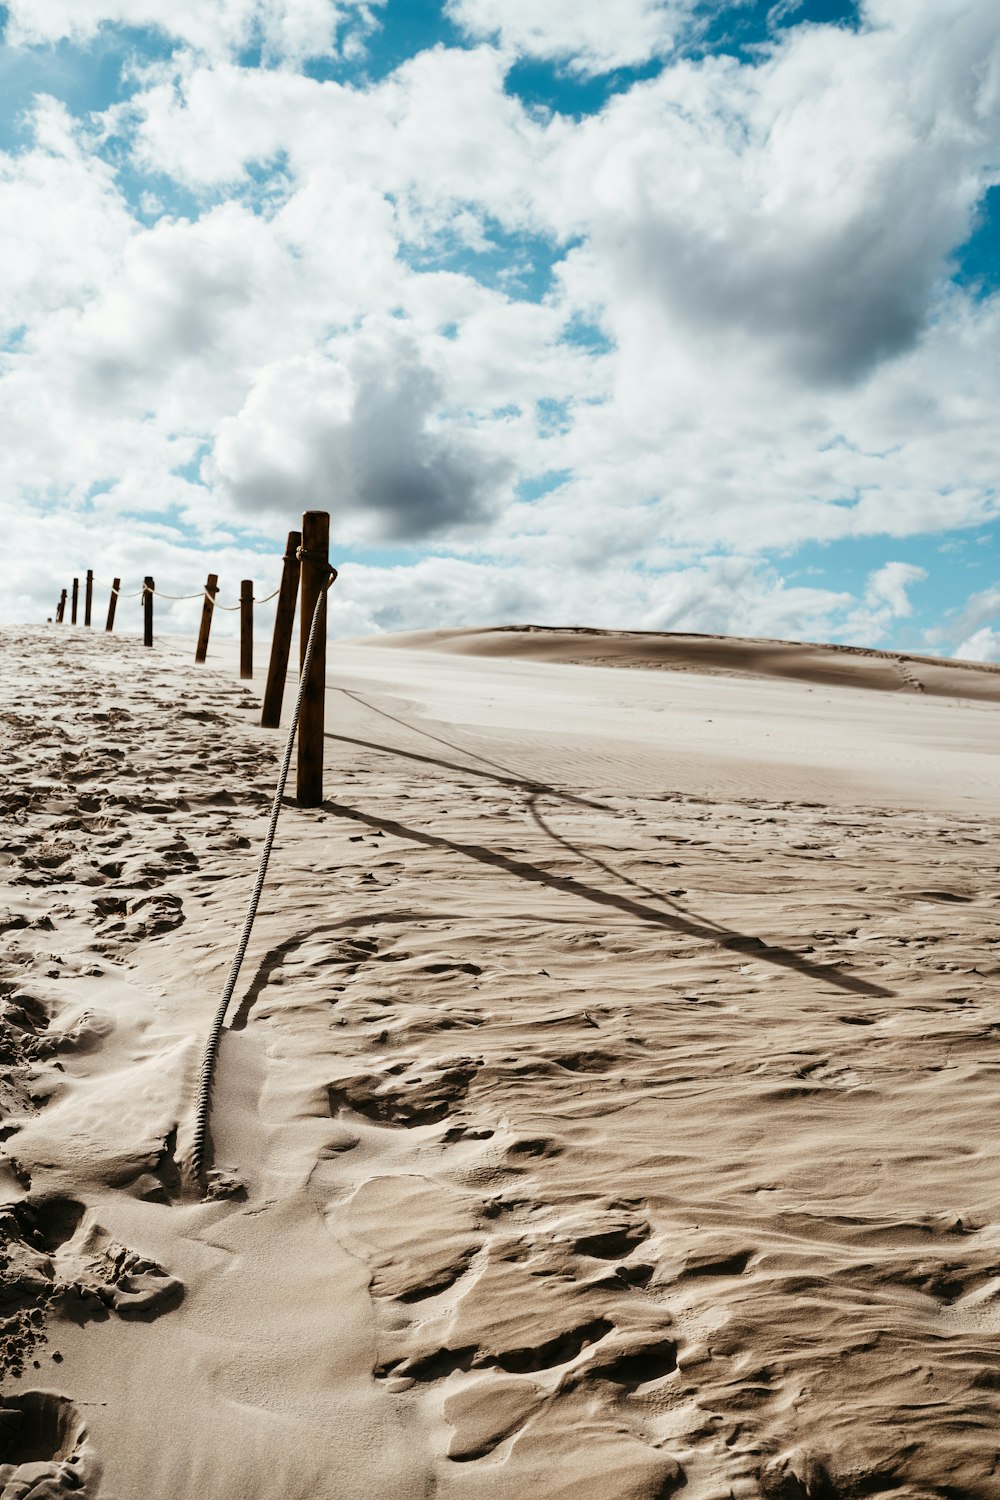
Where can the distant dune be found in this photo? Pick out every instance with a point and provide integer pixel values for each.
(734, 656)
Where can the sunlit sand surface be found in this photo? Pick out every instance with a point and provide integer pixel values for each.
(606, 1104)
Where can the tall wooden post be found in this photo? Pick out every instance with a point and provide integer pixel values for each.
(61, 611)
(246, 628)
(281, 642)
(211, 589)
(76, 595)
(88, 596)
(112, 603)
(315, 572)
(147, 611)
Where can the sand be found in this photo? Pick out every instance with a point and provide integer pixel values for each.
(606, 1104)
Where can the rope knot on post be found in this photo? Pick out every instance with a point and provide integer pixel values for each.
(303, 554)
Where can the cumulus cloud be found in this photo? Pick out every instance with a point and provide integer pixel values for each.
(63, 221)
(974, 627)
(886, 599)
(361, 430)
(747, 340)
(725, 595)
(289, 30)
(580, 33)
(982, 645)
(802, 209)
(887, 586)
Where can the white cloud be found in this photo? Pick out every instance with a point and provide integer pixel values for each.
(886, 599)
(973, 627)
(584, 34)
(63, 223)
(983, 645)
(887, 586)
(727, 595)
(360, 428)
(797, 213)
(765, 249)
(289, 30)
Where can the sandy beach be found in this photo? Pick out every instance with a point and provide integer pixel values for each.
(605, 1105)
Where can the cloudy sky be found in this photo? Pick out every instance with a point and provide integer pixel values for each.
(665, 314)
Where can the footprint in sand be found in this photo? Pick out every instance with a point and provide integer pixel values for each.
(44, 1451)
(54, 1265)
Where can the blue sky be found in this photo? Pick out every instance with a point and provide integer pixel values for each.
(675, 314)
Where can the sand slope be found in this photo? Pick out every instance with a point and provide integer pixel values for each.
(829, 666)
(608, 1085)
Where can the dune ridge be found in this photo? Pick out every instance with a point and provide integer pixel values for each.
(825, 665)
(601, 1116)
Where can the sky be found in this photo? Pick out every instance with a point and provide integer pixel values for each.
(659, 315)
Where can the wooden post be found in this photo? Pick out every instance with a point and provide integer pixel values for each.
(147, 611)
(315, 572)
(61, 611)
(76, 594)
(281, 642)
(246, 628)
(88, 596)
(211, 589)
(112, 603)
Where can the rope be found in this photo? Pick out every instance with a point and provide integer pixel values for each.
(212, 1047)
(203, 593)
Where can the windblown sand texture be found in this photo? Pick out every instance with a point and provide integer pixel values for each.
(608, 1101)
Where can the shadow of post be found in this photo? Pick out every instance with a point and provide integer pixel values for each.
(673, 921)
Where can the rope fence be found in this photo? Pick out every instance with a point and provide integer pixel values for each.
(178, 597)
(148, 592)
(306, 578)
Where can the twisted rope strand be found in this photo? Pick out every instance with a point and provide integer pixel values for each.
(212, 1048)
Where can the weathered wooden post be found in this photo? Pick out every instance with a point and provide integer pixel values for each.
(211, 589)
(61, 610)
(147, 611)
(281, 642)
(112, 602)
(76, 595)
(315, 573)
(246, 628)
(88, 596)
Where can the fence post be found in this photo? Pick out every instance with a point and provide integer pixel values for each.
(246, 628)
(281, 642)
(112, 602)
(147, 611)
(61, 610)
(315, 572)
(76, 594)
(211, 589)
(88, 597)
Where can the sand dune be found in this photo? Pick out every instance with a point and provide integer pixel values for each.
(604, 1106)
(828, 666)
